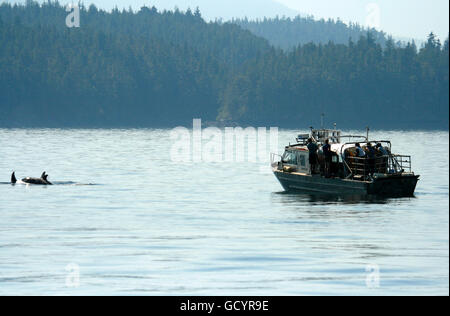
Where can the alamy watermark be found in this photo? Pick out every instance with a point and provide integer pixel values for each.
(73, 18)
(217, 145)
(73, 275)
(373, 276)
(373, 17)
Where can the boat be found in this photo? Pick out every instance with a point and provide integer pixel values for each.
(375, 172)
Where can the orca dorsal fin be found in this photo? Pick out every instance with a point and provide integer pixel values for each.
(45, 177)
(13, 178)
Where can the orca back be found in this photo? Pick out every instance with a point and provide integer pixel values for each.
(34, 181)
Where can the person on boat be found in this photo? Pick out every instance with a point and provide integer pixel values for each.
(371, 155)
(360, 153)
(313, 147)
(383, 153)
(328, 154)
(382, 150)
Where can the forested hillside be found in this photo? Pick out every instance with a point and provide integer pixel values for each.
(287, 33)
(155, 69)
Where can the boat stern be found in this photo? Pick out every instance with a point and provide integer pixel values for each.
(398, 185)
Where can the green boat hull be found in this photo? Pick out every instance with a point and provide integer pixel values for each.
(401, 185)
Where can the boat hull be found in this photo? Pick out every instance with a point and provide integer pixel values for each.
(389, 186)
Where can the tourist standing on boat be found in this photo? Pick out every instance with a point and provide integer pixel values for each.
(360, 153)
(328, 157)
(382, 150)
(371, 155)
(384, 158)
(313, 148)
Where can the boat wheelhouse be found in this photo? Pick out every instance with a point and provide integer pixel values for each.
(358, 166)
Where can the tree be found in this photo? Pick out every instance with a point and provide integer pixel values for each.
(197, 13)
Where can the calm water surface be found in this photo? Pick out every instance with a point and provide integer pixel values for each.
(125, 219)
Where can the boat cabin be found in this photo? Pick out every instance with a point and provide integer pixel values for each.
(296, 159)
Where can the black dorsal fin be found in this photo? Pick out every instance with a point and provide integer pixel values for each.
(45, 177)
(13, 178)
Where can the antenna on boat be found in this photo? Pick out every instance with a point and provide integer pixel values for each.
(367, 133)
(321, 120)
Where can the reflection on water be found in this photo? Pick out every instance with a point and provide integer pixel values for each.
(289, 197)
(151, 226)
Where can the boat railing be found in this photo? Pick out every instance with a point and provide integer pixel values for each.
(357, 137)
(275, 159)
(400, 163)
(364, 167)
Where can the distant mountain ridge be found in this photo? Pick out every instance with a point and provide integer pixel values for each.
(211, 9)
(287, 33)
(282, 26)
(227, 10)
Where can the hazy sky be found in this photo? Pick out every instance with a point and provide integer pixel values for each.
(408, 18)
(401, 18)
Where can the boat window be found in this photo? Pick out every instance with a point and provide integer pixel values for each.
(322, 135)
(290, 158)
(302, 160)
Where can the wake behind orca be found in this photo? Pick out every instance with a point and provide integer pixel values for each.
(38, 181)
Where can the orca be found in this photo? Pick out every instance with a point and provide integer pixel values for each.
(13, 178)
(39, 181)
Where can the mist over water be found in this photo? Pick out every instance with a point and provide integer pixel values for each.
(123, 218)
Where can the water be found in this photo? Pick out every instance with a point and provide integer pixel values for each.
(124, 219)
